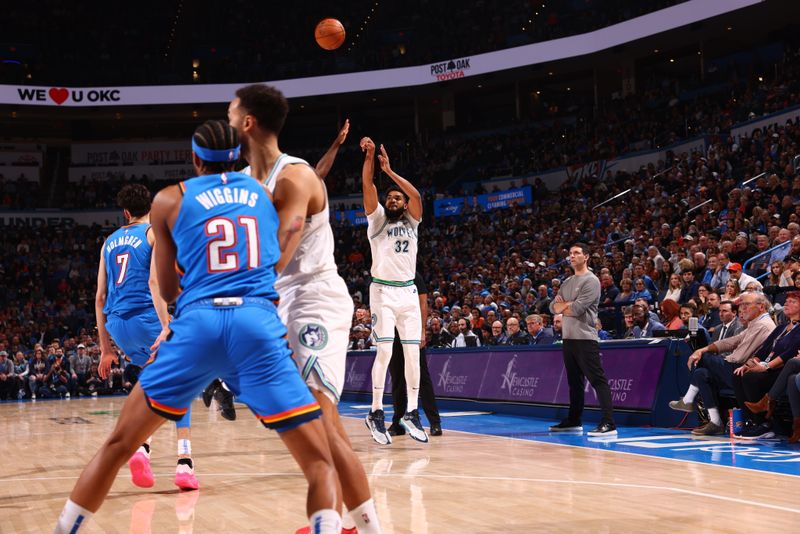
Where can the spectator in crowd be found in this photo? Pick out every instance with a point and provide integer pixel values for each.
(690, 286)
(710, 373)
(711, 319)
(497, 337)
(626, 292)
(466, 337)
(732, 291)
(437, 334)
(603, 335)
(56, 382)
(783, 241)
(515, 335)
(641, 292)
(360, 338)
(81, 364)
(670, 315)
(721, 277)
(542, 304)
(706, 276)
(21, 375)
(793, 392)
(608, 290)
(538, 334)
(450, 335)
(558, 324)
(674, 289)
(753, 380)
(644, 326)
(8, 383)
(743, 279)
(627, 315)
(37, 371)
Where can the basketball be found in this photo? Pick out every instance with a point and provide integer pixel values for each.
(329, 34)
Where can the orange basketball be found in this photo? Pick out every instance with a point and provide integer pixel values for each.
(329, 34)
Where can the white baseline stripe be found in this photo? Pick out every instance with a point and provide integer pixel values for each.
(486, 478)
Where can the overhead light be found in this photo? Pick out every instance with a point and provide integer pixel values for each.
(760, 78)
(550, 73)
(655, 51)
(671, 60)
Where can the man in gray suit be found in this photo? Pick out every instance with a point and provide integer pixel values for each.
(730, 325)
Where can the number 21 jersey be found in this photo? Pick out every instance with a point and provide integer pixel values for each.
(226, 233)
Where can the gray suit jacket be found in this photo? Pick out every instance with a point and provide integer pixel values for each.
(734, 328)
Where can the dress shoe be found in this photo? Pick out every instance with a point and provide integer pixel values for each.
(766, 404)
(436, 430)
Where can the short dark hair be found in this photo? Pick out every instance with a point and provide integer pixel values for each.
(266, 103)
(135, 198)
(217, 135)
(395, 187)
(734, 306)
(583, 246)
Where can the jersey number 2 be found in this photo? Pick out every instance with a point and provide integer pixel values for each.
(223, 230)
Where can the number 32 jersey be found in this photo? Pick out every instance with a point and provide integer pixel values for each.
(393, 245)
(226, 233)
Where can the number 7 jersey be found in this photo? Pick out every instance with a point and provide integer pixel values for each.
(393, 245)
(127, 256)
(226, 233)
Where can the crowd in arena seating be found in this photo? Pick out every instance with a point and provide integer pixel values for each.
(655, 118)
(76, 45)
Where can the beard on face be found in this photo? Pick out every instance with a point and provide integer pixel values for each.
(394, 214)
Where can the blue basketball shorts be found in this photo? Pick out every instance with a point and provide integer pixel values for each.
(245, 346)
(135, 335)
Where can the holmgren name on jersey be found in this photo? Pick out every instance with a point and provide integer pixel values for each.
(131, 240)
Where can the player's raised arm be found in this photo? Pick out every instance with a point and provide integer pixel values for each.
(326, 162)
(292, 194)
(162, 217)
(370, 192)
(414, 198)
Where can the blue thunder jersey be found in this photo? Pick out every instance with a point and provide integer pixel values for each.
(226, 233)
(127, 255)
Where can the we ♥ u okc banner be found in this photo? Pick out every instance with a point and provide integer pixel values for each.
(533, 375)
(681, 14)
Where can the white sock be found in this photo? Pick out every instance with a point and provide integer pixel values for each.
(325, 521)
(379, 368)
(713, 415)
(691, 394)
(72, 518)
(366, 518)
(184, 447)
(412, 371)
(347, 521)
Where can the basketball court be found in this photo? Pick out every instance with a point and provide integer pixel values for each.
(488, 473)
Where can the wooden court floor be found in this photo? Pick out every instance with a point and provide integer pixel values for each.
(458, 483)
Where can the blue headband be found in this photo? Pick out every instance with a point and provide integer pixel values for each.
(207, 154)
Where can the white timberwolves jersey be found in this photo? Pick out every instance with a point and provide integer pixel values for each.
(393, 245)
(314, 255)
